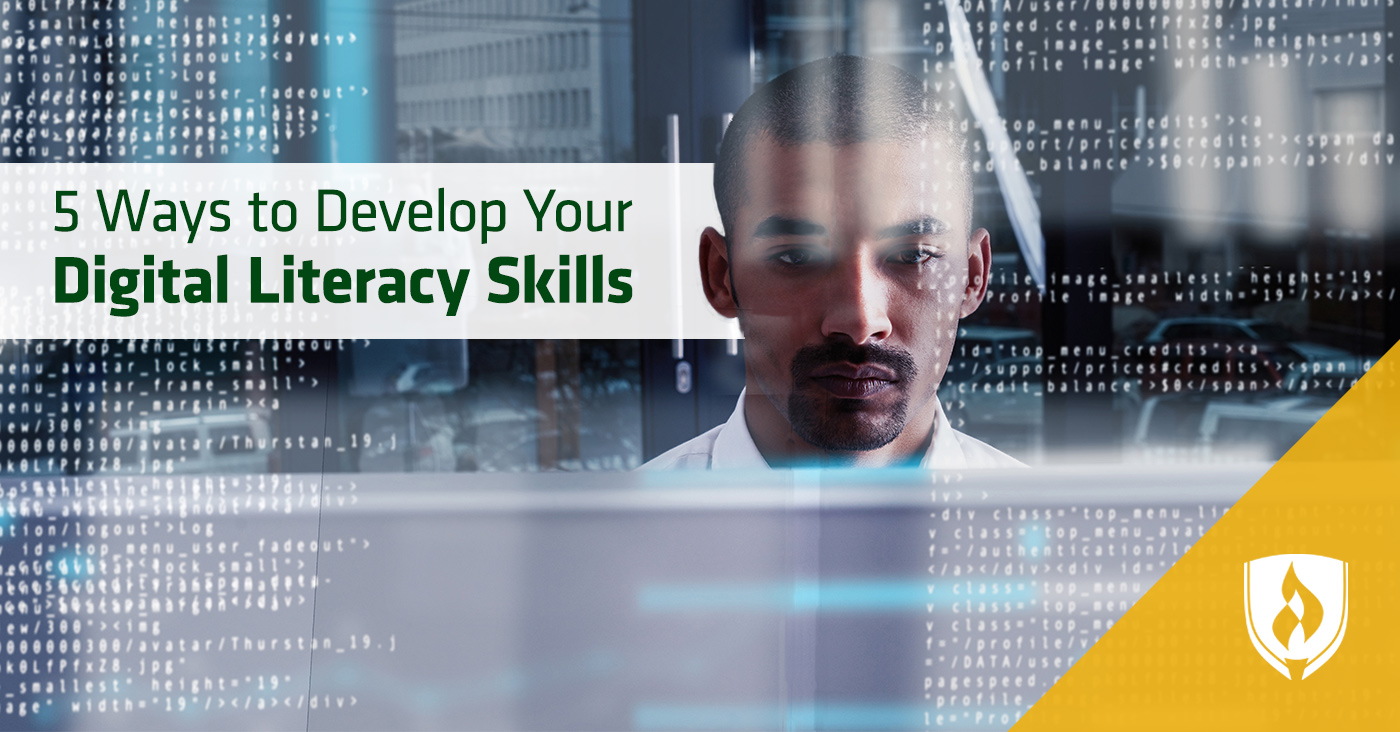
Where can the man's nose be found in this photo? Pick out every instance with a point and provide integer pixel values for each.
(856, 303)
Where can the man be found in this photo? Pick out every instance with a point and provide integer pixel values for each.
(848, 258)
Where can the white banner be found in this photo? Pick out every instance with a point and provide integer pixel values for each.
(355, 251)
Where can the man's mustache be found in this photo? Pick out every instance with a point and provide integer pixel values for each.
(810, 358)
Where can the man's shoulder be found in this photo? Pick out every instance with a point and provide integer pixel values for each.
(696, 453)
(981, 455)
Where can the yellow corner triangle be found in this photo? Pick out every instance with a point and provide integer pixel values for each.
(1182, 657)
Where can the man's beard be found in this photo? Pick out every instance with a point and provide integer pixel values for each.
(841, 427)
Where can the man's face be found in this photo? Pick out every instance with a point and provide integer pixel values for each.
(850, 267)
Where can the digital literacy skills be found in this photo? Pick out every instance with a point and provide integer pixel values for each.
(578, 278)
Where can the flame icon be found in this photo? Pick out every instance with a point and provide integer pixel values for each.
(1309, 627)
(1286, 621)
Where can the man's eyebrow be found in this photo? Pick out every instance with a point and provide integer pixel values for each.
(783, 226)
(915, 227)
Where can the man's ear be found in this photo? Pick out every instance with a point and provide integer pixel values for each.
(715, 273)
(979, 270)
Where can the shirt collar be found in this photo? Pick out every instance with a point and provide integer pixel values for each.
(946, 451)
(734, 447)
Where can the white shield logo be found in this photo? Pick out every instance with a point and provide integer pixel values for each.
(1295, 609)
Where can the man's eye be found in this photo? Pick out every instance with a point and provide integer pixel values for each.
(913, 256)
(795, 257)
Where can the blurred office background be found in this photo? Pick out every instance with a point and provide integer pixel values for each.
(1177, 259)
(449, 598)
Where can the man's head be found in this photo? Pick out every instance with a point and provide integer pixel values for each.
(848, 256)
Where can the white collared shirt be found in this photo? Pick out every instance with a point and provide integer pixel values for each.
(730, 446)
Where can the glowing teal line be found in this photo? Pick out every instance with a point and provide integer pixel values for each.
(655, 717)
(833, 596)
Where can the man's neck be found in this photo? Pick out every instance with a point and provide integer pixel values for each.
(781, 447)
